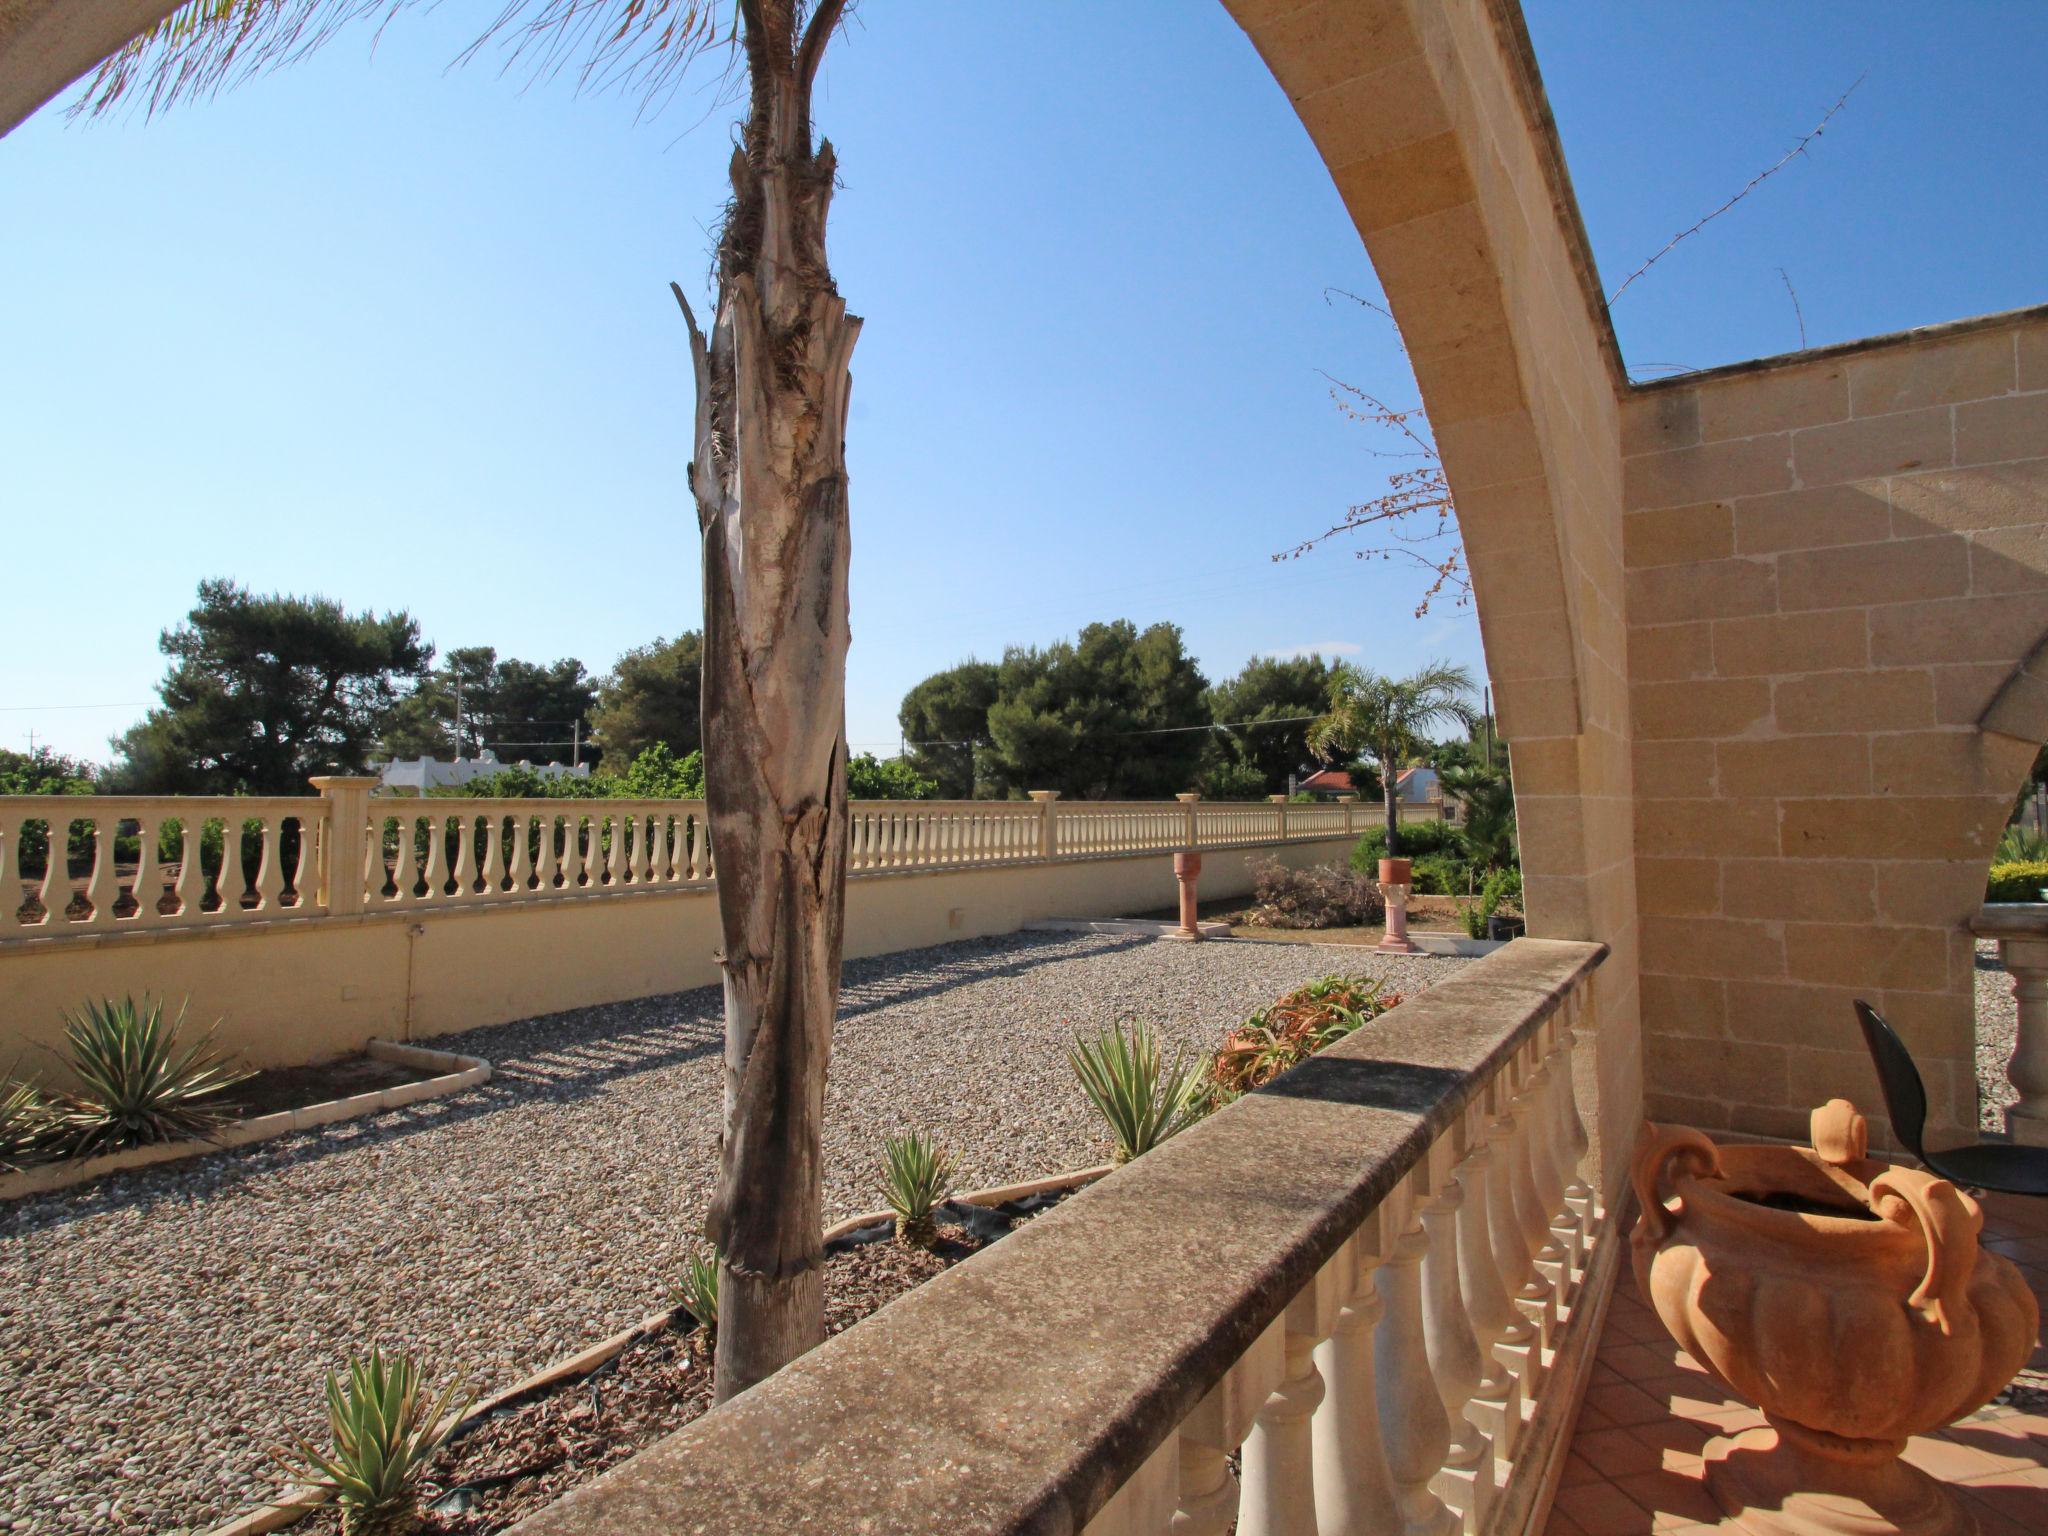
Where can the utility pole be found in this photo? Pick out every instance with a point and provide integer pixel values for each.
(576, 742)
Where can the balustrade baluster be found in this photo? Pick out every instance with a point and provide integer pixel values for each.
(1489, 1300)
(1279, 1455)
(1466, 1482)
(146, 886)
(643, 829)
(546, 858)
(433, 868)
(465, 857)
(55, 891)
(102, 883)
(1554, 1167)
(1578, 1194)
(490, 856)
(189, 887)
(269, 884)
(10, 873)
(405, 864)
(1354, 1490)
(1208, 1491)
(1554, 1254)
(1414, 1429)
(1144, 1505)
(519, 864)
(1537, 1295)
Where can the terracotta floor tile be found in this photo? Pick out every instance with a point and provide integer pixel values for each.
(1627, 1404)
(1562, 1524)
(1674, 1498)
(1950, 1460)
(1617, 1452)
(1637, 1362)
(1602, 1509)
(1578, 1470)
(2006, 1511)
(2017, 1441)
(1676, 1441)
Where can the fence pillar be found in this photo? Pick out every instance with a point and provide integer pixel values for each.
(1280, 810)
(1351, 815)
(344, 840)
(1189, 836)
(1048, 827)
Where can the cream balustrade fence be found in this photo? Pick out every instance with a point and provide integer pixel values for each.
(196, 862)
(1357, 1303)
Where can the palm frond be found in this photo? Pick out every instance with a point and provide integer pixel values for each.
(640, 47)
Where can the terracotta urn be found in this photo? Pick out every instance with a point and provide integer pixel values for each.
(1848, 1299)
(1396, 871)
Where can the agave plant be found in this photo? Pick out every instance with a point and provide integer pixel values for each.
(697, 1290)
(384, 1430)
(1143, 1097)
(136, 1086)
(26, 1129)
(915, 1172)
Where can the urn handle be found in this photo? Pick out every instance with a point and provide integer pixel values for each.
(1658, 1149)
(1949, 1222)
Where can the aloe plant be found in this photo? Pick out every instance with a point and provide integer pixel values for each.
(384, 1430)
(697, 1290)
(915, 1173)
(1143, 1097)
(136, 1086)
(25, 1126)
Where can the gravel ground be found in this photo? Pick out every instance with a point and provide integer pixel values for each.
(1998, 1023)
(162, 1328)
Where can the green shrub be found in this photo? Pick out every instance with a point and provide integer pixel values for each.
(385, 1429)
(2020, 844)
(2020, 880)
(1417, 839)
(697, 1290)
(914, 1175)
(27, 1127)
(1441, 874)
(1143, 1097)
(136, 1087)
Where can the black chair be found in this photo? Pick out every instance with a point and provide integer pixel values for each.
(2016, 1170)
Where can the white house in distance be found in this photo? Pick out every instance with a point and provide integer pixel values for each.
(419, 775)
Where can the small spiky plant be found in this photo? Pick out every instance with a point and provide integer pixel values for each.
(136, 1087)
(1143, 1097)
(697, 1289)
(25, 1126)
(915, 1172)
(384, 1430)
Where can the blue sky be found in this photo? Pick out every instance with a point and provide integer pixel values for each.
(402, 336)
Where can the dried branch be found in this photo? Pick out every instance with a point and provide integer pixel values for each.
(1748, 187)
(1797, 313)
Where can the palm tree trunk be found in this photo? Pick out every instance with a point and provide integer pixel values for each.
(769, 478)
(1388, 774)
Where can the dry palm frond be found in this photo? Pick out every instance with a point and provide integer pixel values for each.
(640, 47)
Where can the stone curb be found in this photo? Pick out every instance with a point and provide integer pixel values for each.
(296, 1503)
(454, 1074)
(1438, 943)
(1125, 925)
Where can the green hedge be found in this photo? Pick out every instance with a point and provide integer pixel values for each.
(2019, 881)
(1417, 839)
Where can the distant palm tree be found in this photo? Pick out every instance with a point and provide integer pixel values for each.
(1389, 720)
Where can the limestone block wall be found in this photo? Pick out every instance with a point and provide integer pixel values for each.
(1836, 562)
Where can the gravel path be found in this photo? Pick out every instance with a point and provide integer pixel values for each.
(162, 1328)
(1998, 1023)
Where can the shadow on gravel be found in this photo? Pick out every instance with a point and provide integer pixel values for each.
(558, 1057)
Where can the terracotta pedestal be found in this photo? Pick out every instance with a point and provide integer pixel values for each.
(1187, 868)
(1395, 875)
(1849, 1300)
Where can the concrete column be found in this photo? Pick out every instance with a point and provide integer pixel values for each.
(1048, 828)
(344, 841)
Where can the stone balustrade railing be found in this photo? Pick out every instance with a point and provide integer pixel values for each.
(2021, 929)
(132, 863)
(1353, 1283)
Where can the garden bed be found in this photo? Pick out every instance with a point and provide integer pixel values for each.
(273, 1103)
(523, 1449)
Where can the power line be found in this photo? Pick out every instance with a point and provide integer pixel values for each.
(22, 709)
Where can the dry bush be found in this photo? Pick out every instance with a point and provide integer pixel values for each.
(1319, 897)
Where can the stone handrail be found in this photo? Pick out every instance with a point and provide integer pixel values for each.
(1352, 1277)
(2021, 929)
(370, 853)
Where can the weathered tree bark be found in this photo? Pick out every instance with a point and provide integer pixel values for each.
(769, 478)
